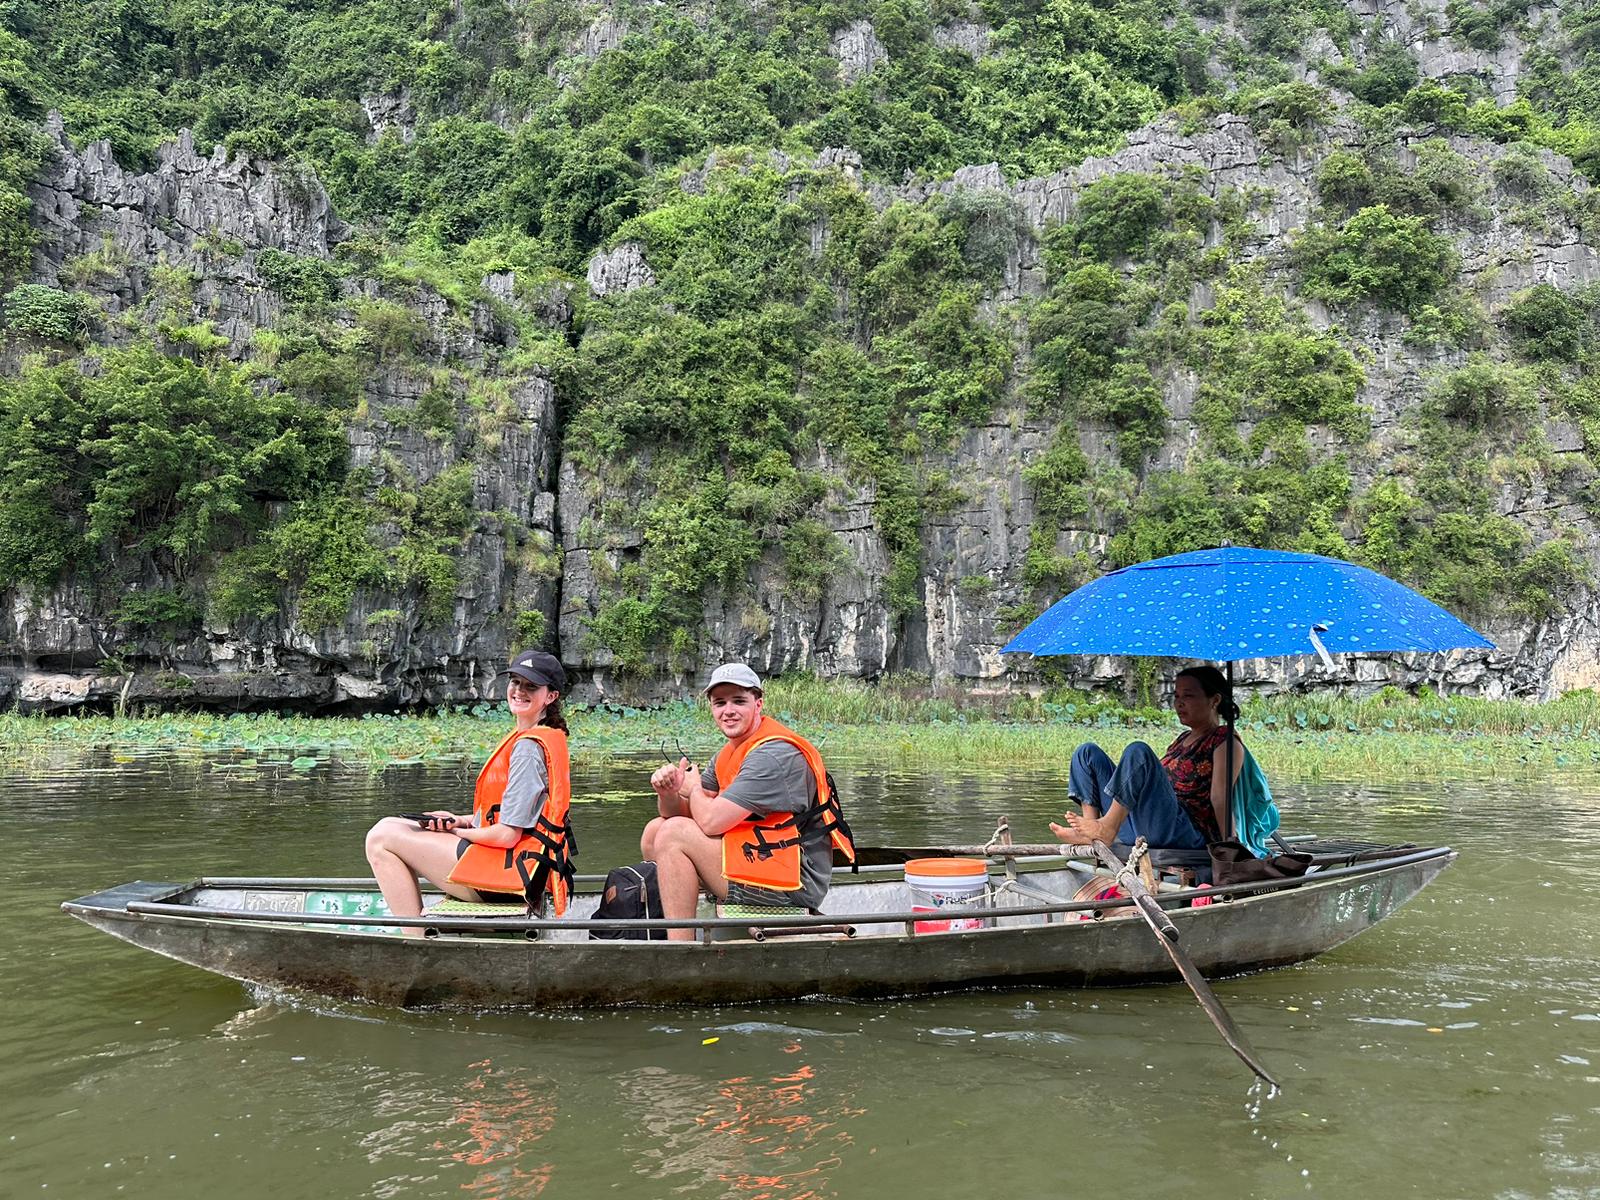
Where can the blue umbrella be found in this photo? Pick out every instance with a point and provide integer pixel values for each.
(1237, 602)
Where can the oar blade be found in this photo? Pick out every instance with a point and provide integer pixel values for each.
(1165, 933)
(1213, 1009)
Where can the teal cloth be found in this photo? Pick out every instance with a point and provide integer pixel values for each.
(1255, 816)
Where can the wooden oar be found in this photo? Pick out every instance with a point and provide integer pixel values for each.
(1154, 915)
(1167, 934)
(1160, 924)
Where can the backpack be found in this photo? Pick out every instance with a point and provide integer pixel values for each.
(631, 893)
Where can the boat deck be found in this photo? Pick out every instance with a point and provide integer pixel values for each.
(874, 902)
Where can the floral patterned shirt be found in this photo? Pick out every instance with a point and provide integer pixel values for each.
(1189, 767)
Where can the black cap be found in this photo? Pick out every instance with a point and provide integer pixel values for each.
(536, 667)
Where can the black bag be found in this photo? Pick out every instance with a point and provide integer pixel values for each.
(1232, 862)
(631, 894)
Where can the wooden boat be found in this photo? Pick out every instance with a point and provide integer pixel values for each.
(333, 937)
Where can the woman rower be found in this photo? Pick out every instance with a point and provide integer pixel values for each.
(516, 844)
(1179, 799)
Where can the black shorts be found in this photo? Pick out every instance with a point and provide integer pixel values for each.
(488, 897)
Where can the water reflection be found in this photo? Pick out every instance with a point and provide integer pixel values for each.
(770, 1118)
(760, 1137)
(513, 1113)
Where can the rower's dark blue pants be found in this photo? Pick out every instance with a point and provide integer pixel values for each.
(1143, 786)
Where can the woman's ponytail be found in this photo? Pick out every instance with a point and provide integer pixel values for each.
(552, 716)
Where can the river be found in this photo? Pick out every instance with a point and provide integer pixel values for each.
(1454, 1051)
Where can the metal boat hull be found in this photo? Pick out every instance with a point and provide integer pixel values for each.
(261, 941)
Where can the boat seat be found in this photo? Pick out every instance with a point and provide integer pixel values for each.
(451, 907)
(757, 913)
(1173, 860)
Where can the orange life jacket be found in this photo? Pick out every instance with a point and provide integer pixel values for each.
(765, 851)
(541, 862)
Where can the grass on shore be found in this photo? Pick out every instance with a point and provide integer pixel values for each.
(1385, 737)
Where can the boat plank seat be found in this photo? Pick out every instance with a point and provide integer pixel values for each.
(1179, 862)
(757, 913)
(451, 907)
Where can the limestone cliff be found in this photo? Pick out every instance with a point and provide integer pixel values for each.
(973, 549)
(120, 237)
(449, 385)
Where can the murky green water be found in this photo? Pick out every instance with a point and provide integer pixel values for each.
(1452, 1052)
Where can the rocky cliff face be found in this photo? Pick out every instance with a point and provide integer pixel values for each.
(118, 237)
(1500, 256)
(545, 538)
(973, 550)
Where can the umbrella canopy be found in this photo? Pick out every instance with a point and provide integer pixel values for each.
(1236, 602)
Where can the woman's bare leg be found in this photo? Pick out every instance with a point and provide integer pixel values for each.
(400, 852)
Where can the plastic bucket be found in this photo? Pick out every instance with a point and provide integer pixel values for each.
(939, 883)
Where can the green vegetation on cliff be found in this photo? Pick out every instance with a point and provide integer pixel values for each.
(515, 131)
(151, 454)
(752, 353)
(810, 334)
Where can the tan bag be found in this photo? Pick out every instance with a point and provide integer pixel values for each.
(1232, 862)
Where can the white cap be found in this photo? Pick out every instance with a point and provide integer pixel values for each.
(735, 673)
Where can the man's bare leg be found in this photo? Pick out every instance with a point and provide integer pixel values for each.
(686, 860)
(647, 839)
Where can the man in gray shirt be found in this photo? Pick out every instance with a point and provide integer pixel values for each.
(698, 810)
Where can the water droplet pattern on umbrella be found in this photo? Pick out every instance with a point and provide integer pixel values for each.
(1237, 602)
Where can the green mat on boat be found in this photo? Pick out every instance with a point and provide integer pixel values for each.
(756, 912)
(474, 908)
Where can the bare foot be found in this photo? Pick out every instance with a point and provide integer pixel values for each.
(1082, 831)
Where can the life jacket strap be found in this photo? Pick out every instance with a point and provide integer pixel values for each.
(830, 817)
(765, 847)
(552, 856)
